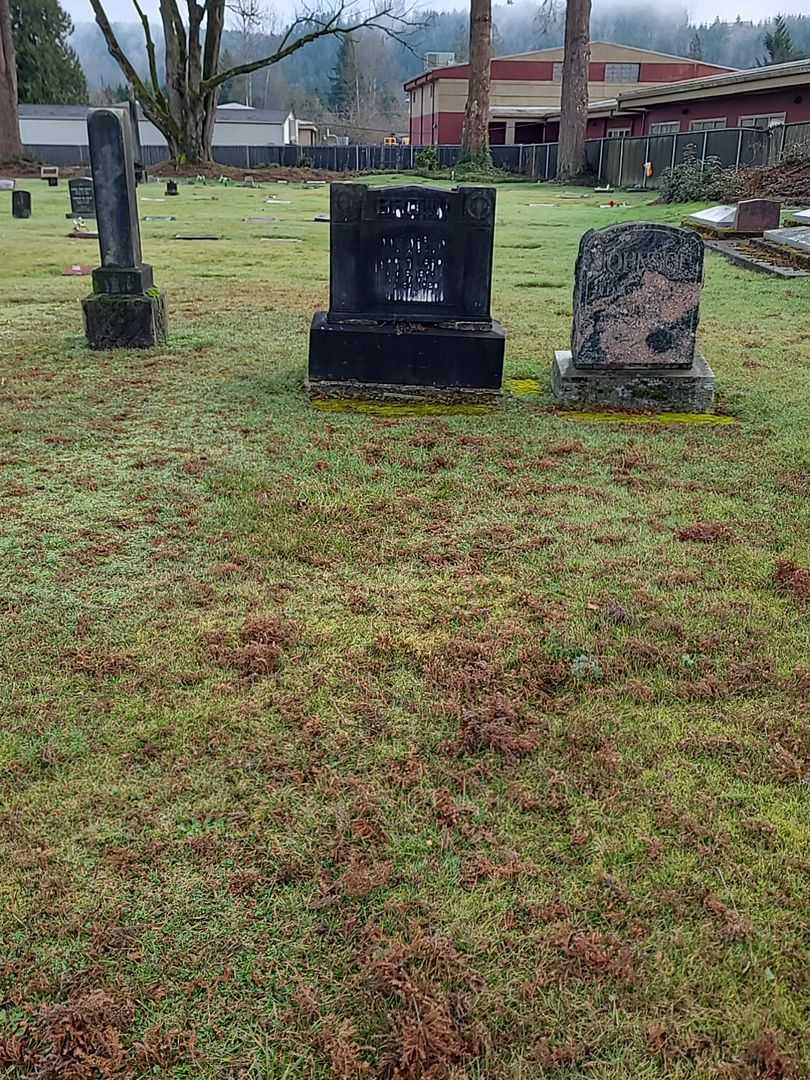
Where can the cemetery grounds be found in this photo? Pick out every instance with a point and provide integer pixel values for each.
(339, 744)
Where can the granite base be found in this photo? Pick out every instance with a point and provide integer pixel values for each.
(125, 322)
(404, 361)
(634, 389)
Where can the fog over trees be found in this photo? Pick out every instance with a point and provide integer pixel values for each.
(309, 81)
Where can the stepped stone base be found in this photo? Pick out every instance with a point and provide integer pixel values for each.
(634, 389)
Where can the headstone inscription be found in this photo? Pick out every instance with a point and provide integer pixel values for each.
(125, 310)
(82, 197)
(410, 283)
(21, 203)
(636, 310)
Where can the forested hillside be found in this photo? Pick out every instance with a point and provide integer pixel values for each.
(358, 84)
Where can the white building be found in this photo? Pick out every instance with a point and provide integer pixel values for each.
(62, 130)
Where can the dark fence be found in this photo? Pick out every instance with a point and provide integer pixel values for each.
(619, 162)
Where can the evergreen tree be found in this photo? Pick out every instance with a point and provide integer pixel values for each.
(778, 45)
(696, 47)
(346, 81)
(48, 69)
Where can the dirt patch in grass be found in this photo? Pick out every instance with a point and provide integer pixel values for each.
(262, 641)
(792, 579)
(706, 532)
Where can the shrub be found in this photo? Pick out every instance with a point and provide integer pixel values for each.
(694, 181)
(427, 158)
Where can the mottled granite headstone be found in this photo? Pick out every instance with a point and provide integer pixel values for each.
(126, 311)
(757, 215)
(21, 204)
(82, 197)
(636, 297)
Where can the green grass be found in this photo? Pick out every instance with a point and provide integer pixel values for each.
(337, 744)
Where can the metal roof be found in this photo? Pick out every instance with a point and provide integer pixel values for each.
(224, 116)
(769, 77)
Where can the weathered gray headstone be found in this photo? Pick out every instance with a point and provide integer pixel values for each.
(82, 197)
(636, 310)
(125, 310)
(21, 203)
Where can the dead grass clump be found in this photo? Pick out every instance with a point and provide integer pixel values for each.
(733, 926)
(338, 1038)
(706, 532)
(98, 663)
(765, 1061)
(792, 578)
(588, 954)
(496, 724)
(431, 1030)
(262, 641)
(163, 1049)
(482, 868)
(80, 1039)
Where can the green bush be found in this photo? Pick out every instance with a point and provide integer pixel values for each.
(695, 181)
(427, 159)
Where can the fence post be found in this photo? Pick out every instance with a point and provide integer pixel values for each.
(621, 160)
(545, 174)
(703, 151)
(601, 155)
(674, 151)
(646, 159)
(739, 150)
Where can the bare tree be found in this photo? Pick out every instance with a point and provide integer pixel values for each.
(10, 145)
(252, 18)
(185, 111)
(475, 132)
(571, 162)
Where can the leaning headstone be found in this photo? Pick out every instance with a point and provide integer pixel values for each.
(51, 174)
(410, 283)
(636, 310)
(21, 203)
(82, 197)
(125, 310)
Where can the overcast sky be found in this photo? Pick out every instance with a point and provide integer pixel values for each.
(699, 10)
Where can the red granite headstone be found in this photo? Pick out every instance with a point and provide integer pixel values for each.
(757, 215)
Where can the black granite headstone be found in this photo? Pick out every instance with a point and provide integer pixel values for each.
(171, 187)
(410, 287)
(137, 149)
(636, 310)
(82, 197)
(126, 311)
(21, 204)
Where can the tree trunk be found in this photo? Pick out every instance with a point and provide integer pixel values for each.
(475, 135)
(10, 145)
(571, 163)
(192, 144)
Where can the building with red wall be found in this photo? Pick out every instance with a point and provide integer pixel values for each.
(525, 90)
(758, 97)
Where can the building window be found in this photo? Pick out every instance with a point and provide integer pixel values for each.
(670, 128)
(765, 120)
(622, 73)
(708, 125)
(619, 133)
(556, 74)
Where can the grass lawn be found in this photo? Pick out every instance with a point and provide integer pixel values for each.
(337, 745)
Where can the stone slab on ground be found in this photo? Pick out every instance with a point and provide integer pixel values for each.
(797, 238)
(382, 361)
(798, 217)
(715, 217)
(758, 256)
(634, 389)
(125, 322)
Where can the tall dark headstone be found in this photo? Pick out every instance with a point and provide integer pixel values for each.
(21, 203)
(125, 310)
(137, 149)
(82, 197)
(636, 310)
(410, 284)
